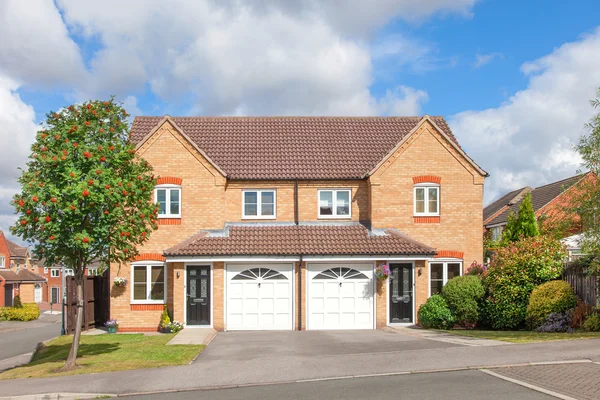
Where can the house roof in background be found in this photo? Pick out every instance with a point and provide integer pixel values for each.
(22, 275)
(306, 239)
(540, 197)
(293, 147)
(506, 200)
(17, 250)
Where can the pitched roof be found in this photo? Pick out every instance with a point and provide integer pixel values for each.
(293, 147)
(305, 239)
(540, 197)
(22, 275)
(506, 200)
(16, 250)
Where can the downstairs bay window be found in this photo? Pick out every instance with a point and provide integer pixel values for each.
(440, 272)
(148, 283)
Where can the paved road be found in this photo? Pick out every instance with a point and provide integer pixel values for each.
(447, 385)
(18, 338)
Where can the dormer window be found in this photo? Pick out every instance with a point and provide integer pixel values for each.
(168, 198)
(426, 200)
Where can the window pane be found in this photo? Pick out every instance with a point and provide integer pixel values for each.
(250, 209)
(326, 202)
(174, 208)
(420, 200)
(267, 200)
(437, 271)
(250, 198)
(158, 291)
(436, 287)
(433, 200)
(139, 283)
(343, 203)
(453, 270)
(161, 199)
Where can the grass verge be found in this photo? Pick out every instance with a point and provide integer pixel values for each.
(524, 336)
(105, 353)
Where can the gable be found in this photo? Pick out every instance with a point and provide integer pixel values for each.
(293, 147)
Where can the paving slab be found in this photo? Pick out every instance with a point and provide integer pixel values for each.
(193, 336)
(578, 380)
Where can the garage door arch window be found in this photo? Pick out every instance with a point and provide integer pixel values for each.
(341, 272)
(255, 273)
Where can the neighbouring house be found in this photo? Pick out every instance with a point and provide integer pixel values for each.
(54, 290)
(280, 222)
(18, 274)
(549, 202)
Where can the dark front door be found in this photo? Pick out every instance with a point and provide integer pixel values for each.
(198, 295)
(8, 295)
(401, 293)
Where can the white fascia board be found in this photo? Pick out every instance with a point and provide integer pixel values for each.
(365, 258)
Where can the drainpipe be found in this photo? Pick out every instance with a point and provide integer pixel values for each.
(296, 206)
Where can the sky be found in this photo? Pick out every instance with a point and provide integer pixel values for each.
(513, 79)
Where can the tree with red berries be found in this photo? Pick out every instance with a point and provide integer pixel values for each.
(85, 194)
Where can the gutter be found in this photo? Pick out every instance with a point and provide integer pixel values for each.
(297, 221)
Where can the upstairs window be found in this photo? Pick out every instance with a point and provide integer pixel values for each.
(92, 271)
(335, 203)
(258, 204)
(168, 198)
(1, 261)
(55, 272)
(427, 200)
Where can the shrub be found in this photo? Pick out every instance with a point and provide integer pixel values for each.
(164, 318)
(592, 323)
(550, 297)
(436, 314)
(476, 269)
(17, 302)
(27, 312)
(557, 322)
(463, 294)
(515, 270)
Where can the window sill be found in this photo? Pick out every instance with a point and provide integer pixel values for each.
(334, 217)
(426, 219)
(258, 217)
(147, 302)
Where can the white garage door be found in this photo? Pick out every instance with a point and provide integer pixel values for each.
(259, 297)
(340, 296)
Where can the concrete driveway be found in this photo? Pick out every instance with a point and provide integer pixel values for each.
(248, 345)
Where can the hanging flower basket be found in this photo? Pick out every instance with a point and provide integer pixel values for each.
(382, 272)
(119, 282)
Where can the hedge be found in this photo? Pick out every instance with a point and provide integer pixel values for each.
(463, 294)
(28, 312)
(435, 314)
(548, 298)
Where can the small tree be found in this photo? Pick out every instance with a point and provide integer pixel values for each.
(85, 195)
(586, 202)
(522, 225)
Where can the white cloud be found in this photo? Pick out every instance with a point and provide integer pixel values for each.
(528, 139)
(484, 59)
(36, 48)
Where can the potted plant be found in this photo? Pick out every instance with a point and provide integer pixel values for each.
(165, 321)
(119, 282)
(382, 272)
(112, 325)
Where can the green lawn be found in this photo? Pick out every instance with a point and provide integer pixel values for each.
(104, 353)
(524, 336)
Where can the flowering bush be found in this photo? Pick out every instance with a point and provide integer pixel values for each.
(175, 326)
(112, 323)
(476, 269)
(382, 272)
(119, 282)
(515, 270)
(557, 322)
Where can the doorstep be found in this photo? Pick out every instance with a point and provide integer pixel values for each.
(194, 336)
(443, 337)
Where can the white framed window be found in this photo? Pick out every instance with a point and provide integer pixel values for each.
(259, 204)
(427, 199)
(2, 262)
(69, 272)
(55, 272)
(55, 295)
(148, 283)
(497, 233)
(335, 203)
(168, 198)
(440, 272)
(45, 270)
(92, 271)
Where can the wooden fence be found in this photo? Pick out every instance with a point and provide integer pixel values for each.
(585, 286)
(96, 304)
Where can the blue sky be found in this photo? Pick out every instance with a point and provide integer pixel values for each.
(512, 78)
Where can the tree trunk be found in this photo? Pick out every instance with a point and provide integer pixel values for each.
(72, 358)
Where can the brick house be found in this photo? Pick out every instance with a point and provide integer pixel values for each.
(53, 290)
(18, 274)
(280, 222)
(549, 202)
